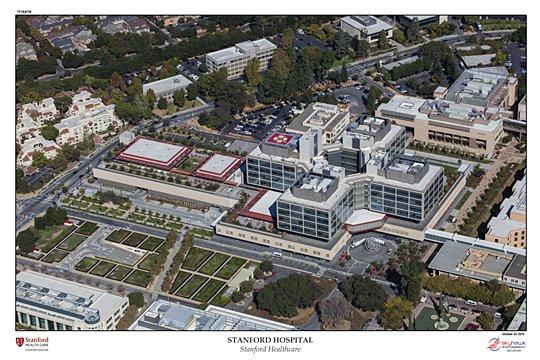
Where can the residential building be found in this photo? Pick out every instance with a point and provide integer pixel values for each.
(71, 38)
(329, 119)
(165, 88)
(423, 20)
(510, 225)
(123, 24)
(235, 59)
(168, 315)
(87, 115)
(38, 112)
(26, 51)
(47, 24)
(44, 302)
(366, 27)
(36, 143)
(458, 125)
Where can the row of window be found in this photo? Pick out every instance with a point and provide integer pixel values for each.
(39, 323)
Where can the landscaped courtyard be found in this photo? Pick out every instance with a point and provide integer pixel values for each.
(427, 318)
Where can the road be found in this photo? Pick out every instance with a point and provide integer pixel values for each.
(29, 208)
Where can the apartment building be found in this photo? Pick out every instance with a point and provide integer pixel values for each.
(25, 51)
(458, 125)
(37, 113)
(45, 302)
(329, 119)
(37, 143)
(366, 27)
(87, 115)
(235, 59)
(165, 88)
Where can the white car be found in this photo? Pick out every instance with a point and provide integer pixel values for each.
(423, 299)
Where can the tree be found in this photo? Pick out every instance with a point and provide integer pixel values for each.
(151, 96)
(246, 286)
(49, 132)
(344, 74)
(520, 35)
(411, 281)
(383, 41)
(413, 31)
(399, 36)
(334, 310)
(500, 58)
(179, 98)
(167, 70)
(237, 296)
(282, 62)
(266, 266)
(253, 76)
(394, 311)
(39, 159)
(286, 295)
(258, 273)
(26, 240)
(117, 81)
(62, 103)
(362, 48)
(373, 98)
(192, 91)
(136, 86)
(136, 298)
(486, 321)
(363, 293)
(162, 103)
(21, 184)
(342, 40)
(203, 68)
(287, 38)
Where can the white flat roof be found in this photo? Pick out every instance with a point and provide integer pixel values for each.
(265, 203)
(217, 164)
(152, 151)
(364, 216)
(367, 24)
(169, 84)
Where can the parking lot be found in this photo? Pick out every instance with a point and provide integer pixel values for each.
(258, 124)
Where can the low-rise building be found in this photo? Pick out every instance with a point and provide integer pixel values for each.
(235, 59)
(423, 20)
(165, 88)
(35, 144)
(516, 272)
(329, 119)
(45, 302)
(25, 51)
(87, 115)
(37, 113)
(71, 38)
(509, 227)
(123, 24)
(522, 110)
(168, 315)
(366, 27)
(459, 125)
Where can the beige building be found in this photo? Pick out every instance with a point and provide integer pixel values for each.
(36, 144)
(456, 125)
(44, 302)
(87, 115)
(329, 119)
(509, 227)
(366, 27)
(235, 59)
(522, 109)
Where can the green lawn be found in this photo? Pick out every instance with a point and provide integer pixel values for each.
(462, 200)
(119, 273)
(151, 243)
(149, 261)
(139, 278)
(118, 235)
(214, 263)
(86, 264)
(180, 278)
(134, 239)
(195, 258)
(102, 268)
(220, 299)
(230, 268)
(46, 243)
(87, 228)
(424, 322)
(190, 287)
(208, 290)
(72, 242)
(55, 255)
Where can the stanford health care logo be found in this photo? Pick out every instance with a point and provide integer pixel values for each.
(19, 341)
(494, 344)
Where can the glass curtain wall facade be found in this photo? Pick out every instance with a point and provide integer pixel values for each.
(269, 174)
